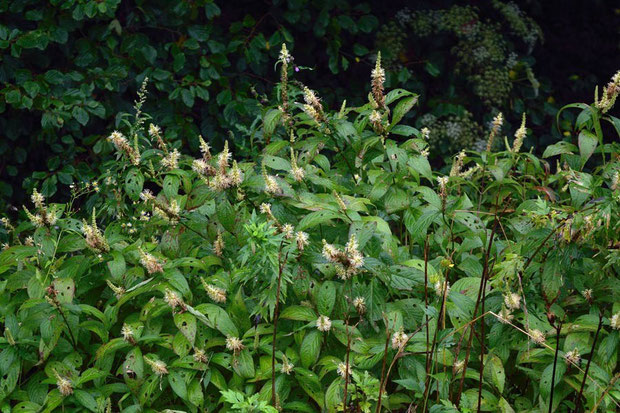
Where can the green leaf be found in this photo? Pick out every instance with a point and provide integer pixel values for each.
(226, 215)
(187, 96)
(244, 365)
(177, 383)
(86, 400)
(80, 115)
(559, 148)
(134, 182)
(420, 164)
(310, 348)
(298, 313)
(494, 372)
(171, 186)
(547, 375)
(310, 383)
(326, 298)
(402, 108)
(275, 162)
(65, 290)
(219, 319)
(315, 218)
(587, 145)
(270, 121)
(186, 323)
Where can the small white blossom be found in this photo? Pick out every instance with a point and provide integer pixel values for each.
(342, 370)
(537, 336)
(323, 323)
(234, 344)
(512, 301)
(360, 304)
(64, 385)
(572, 357)
(287, 367)
(399, 339)
(302, 240)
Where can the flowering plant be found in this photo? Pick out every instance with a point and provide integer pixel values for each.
(332, 271)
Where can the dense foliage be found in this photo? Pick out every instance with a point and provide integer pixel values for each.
(332, 270)
(67, 68)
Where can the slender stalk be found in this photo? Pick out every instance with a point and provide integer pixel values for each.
(276, 313)
(346, 371)
(482, 325)
(478, 300)
(426, 301)
(555, 363)
(585, 375)
(73, 340)
(347, 362)
(399, 354)
(385, 352)
(427, 383)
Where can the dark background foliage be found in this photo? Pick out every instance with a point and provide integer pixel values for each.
(70, 67)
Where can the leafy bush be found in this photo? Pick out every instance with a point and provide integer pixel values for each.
(335, 270)
(65, 65)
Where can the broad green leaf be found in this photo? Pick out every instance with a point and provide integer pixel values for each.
(587, 145)
(310, 348)
(186, 322)
(298, 313)
(494, 372)
(326, 298)
(134, 182)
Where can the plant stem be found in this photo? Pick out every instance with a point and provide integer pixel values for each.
(426, 301)
(385, 352)
(427, 383)
(484, 285)
(585, 375)
(555, 363)
(346, 371)
(276, 313)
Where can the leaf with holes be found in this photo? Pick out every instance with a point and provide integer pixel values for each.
(65, 290)
(134, 182)
(187, 324)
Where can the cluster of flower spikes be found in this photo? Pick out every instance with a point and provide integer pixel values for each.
(43, 216)
(94, 237)
(347, 262)
(217, 173)
(170, 160)
(167, 210)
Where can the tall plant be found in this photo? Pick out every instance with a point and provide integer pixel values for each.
(334, 270)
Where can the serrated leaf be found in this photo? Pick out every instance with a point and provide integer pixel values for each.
(559, 148)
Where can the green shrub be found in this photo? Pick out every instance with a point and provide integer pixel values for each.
(333, 266)
(65, 67)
